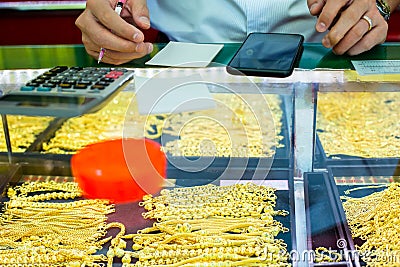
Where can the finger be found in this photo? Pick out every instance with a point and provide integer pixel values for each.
(89, 45)
(374, 37)
(117, 58)
(361, 38)
(351, 38)
(347, 20)
(110, 20)
(315, 6)
(93, 50)
(330, 11)
(140, 13)
(101, 36)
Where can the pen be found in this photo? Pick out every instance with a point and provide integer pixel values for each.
(117, 9)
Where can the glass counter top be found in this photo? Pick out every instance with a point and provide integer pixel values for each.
(357, 134)
(314, 56)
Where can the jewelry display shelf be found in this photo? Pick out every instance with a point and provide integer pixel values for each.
(13, 173)
(46, 135)
(327, 227)
(346, 160)
(194, 169)
(188, 167)
(363, 181)
(33, 151)
(130, 214)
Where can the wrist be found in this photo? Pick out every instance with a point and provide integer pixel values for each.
(383, 8)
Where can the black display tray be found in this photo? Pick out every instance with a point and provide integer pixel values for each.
(384, 171)
(346, 160)
(326, 222)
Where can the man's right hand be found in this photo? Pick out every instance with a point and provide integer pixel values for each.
(120, 36)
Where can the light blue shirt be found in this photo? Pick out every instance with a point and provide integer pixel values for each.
(224, 21)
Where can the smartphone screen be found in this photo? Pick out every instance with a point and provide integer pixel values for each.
(267, 54)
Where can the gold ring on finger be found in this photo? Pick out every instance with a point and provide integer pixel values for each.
(369, 21)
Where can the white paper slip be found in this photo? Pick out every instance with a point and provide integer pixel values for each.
(172, 95)
(189, 55)
(373, 67)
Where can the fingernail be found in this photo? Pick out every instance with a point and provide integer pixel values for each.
(149, 48)
(326, 42)
(312, 7)
(136, 37)
(145, 20)
(139, 47)
(321, 27)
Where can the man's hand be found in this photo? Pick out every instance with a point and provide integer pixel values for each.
(121, 36)
(359, 26)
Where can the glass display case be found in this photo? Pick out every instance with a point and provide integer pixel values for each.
(300, 171)
(358, 130)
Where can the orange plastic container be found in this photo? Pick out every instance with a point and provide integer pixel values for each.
(121, 170)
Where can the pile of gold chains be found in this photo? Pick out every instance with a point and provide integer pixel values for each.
(363, 124)
(208, 226)
(375, 220)
(237, 133)
(23, 131)
(107, 123)
(240, 126)
(42, 225)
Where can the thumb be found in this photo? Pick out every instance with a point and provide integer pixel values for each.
(140, 13)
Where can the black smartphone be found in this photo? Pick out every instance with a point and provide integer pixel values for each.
(267, 55)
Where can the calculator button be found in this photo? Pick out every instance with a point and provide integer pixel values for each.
(69, 82)
(92, 79)
(117, 72)
(98, 86)
(61, 77)
(59, 69)
(86, 71)
(111, 76)
(102, 83)
(97, 75)
(76, 68)
(50, 74)
(27, 88)
(114, 74)
(80, 86)
(38, 81)
(55, 80)
(85, 82)
(33, 84)
(44, 89)
(110, 80)
(65, 85)
(49, 84)
(44, 77)
(74, 78)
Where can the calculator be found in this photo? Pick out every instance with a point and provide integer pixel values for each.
(64, 91)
